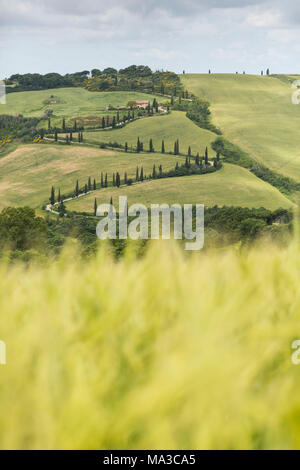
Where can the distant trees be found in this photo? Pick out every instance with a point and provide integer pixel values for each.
(206, 156)
(176, 147)
(52, 196)
(61, 209)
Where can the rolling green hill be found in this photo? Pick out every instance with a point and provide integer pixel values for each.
(27, 174)
(255, 113)
(231, 186)
(169, 127)
(67, 102)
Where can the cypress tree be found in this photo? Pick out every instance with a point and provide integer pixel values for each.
(118, 117)
(111, 201)
(49, 124)
(85, 188)
(71, 135)
(138, 146)
(126, 147)
(77, 189)
(95, 207)
(63, 124)
(105, 181)
(58, 197)
(206, 156)
(94, 185)
(79, 139)
(189, 152)
(75, 126)
(114, 180)
(52, 196)
(163, 146)
(160, 170)
(55, 135)
(178, 147)
(176, 166)
(103, 123)
(154, 172)
(142, 175)
(114, 122)
(61, 209)
(125, 178)
(151, 148)
(89, 184)
(102, 184)
(137, 174)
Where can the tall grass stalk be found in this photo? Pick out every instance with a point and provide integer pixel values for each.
(167, 351)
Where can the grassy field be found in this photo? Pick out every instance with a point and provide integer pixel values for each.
(231, 186)
(187, 352)
(71, 102)
(170, 128)
(255, 113)
(27, 174)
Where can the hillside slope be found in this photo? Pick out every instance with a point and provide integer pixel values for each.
(27, 174)
(231, 186)
(168, 128)
(255, 113)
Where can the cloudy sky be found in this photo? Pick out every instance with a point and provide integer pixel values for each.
(195, 35)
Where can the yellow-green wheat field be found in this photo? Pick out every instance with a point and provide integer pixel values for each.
(167, 351)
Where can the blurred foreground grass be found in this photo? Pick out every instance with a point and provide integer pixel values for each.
(167, 351)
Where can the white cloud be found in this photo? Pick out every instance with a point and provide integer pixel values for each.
(264, 19)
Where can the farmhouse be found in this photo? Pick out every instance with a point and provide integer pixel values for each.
(142, 104)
